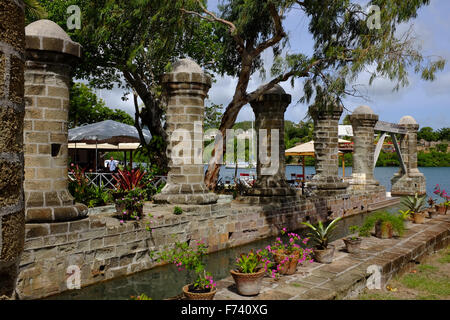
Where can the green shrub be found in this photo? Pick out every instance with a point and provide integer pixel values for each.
(395, 220)
(177, 210)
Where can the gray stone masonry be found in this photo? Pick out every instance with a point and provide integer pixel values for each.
(363, 122)
(326, 145)
(50, 57)
(269, 112)
(186, 87)
(412, 181)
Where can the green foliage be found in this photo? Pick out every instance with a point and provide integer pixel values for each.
(131, 202)
(191, 259)
(352, 230)
(442, 147)
(86, 193)
(396, 222)
(406, 215)
(142, 296)
(249, 263)
(177, 210)
(86, 108)
(414, 204)
(321, 234)
(428, 134)
(213, 116)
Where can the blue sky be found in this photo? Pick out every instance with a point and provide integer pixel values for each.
(427, 102)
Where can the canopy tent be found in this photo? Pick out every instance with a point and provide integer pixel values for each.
(107, 131)
(107, 135)
(307, 149)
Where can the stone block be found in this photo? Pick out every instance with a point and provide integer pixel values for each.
(36, 230)
(39, 215)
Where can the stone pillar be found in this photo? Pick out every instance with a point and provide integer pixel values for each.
(50, 56)
(326, 146)
(269, 112)
(363, 122)
(186, 88)
(412, 181)
(12, 223)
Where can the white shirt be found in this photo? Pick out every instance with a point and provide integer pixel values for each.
(112, 165)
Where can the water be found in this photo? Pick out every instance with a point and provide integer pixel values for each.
(435, 175)
(167, 281)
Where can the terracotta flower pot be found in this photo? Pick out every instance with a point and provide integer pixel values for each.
(248, 284)
(324, 256)
(418, 217)
(383, 230)
(352, 245)
(408, 224)
(192, 295)
(288, 262)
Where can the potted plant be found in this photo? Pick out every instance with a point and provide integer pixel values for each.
(250, 271)
(442, 207)
(130, 195)
(385, 225)
(323, 252)
(186, 257)
(287, 256)
(415, 205)
(406, 217)
(353, 243)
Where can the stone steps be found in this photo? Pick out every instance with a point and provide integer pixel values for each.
(384, 203)
(347, 276)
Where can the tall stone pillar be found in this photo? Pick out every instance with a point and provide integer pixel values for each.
(50, 55)
(363, 122)
(186, 88)
(412, 181)
(269, 112)
(326, 146)
(12, 222)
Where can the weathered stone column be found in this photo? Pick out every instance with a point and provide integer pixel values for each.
(12, 222)
(186, 88)
(326, 146)
(413, 181)
(50, 56)
(269, 112)
(363, 122)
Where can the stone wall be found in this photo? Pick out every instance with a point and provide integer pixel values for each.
(104, 249)
(12, 222)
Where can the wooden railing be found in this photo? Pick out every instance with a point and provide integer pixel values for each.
(107, 181)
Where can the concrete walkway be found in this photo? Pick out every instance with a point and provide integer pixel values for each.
(347, 276)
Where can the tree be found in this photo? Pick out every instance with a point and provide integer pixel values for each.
(130, 44)
(444, 134)
(86, 108)
(213, 115)
(428, 134)
(346, 43)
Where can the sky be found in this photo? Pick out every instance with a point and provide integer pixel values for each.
(427, 102)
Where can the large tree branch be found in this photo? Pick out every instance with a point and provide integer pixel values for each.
(281, 78)
(278, 34)
(213, 18)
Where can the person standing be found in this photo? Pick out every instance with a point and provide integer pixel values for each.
(112, 165)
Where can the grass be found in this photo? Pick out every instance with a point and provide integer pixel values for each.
(428, 281)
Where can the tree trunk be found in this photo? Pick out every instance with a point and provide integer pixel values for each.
(12, 109)
(228, 120)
